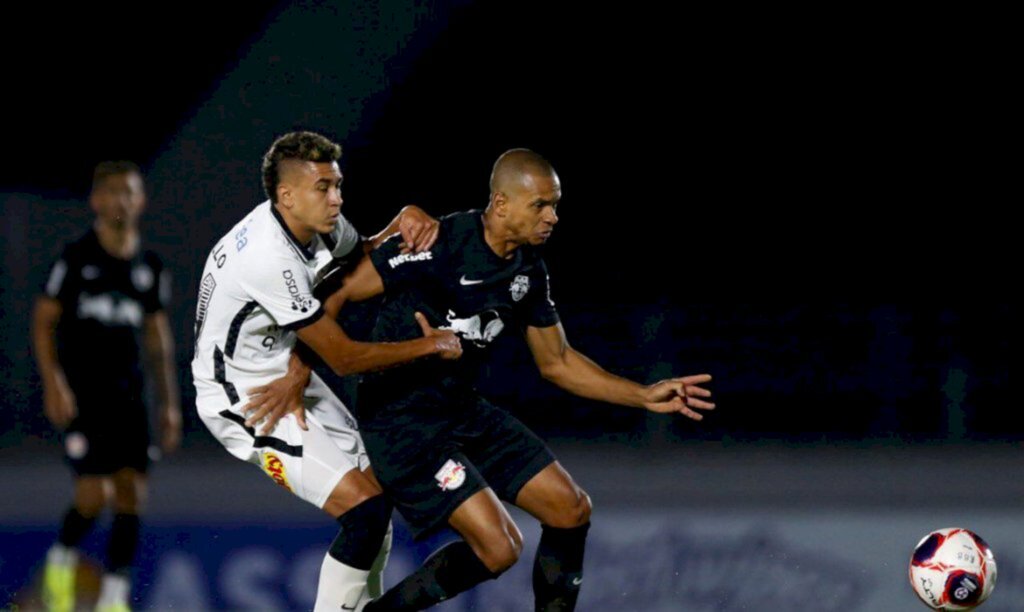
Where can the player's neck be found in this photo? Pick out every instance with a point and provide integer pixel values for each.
(497, 239)
(301, 232)
(119, 242)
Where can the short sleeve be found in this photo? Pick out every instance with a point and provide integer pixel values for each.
(540, 308)
(59, 285)
(398, 269)
(282, 288)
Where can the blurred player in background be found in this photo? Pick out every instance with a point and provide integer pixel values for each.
(104, 299)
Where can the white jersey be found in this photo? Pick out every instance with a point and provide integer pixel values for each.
(256, 291)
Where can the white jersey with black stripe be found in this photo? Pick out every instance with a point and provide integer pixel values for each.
(255, 292)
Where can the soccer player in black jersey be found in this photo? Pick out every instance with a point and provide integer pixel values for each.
(104, 299)
(444, 454)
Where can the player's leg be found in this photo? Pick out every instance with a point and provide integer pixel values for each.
(491, 544)
(90, 497)
(522, 470)
(129, 485)
(62, 557)
(352, 568)
(364, 519)
(563, 509)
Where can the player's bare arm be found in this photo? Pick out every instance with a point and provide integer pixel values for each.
(419, 230)
(58, 399)
(573, 371)
(159, 345)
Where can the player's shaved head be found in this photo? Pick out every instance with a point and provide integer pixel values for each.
(515, 169)
(288, 153)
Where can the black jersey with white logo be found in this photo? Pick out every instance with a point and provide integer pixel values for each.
(462, 285)
(105, 301)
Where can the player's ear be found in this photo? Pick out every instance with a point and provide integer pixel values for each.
(284, 194)
(499, 202)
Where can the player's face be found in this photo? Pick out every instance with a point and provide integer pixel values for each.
(532, 209)
(315, 195)
(118, 200)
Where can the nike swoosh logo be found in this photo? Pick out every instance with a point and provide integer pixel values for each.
(466, 281)
(577, 581)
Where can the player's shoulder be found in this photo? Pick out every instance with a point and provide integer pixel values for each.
(84, 245)
(459, 227)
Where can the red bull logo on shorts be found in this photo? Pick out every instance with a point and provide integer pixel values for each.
(275, 469)
(451, 475)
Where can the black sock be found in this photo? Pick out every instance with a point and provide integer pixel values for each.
(446, 573)
(558, 568)
(74, 528)
(124, 541)
(362, 531)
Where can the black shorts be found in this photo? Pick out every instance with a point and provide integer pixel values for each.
(101, 443)
(431, 451)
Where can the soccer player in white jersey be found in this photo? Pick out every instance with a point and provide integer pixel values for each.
(255, 301)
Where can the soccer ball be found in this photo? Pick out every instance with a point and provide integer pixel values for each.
(952, 569)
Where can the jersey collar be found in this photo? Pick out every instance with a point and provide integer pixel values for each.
(301, 248)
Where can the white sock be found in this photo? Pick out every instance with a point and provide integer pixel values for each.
(113, 590)
(61, 555)
(341, 587)
(375, 583)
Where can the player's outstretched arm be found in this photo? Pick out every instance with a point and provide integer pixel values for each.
(576, 373)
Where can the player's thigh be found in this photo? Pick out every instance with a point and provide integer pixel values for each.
(505, 451)
(129, 490)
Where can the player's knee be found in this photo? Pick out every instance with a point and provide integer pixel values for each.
(129, 495)
(90, 500)
(574, 512)
(502, 550)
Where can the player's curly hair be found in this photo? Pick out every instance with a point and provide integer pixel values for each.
(302, 146)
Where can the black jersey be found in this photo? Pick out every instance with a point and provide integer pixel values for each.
(462, 285)
(104, 300)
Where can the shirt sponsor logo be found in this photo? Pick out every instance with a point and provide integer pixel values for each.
(451, 475)
(109, 311)
(274, 468)
(300, 302)
(480, 328)
(398, 260)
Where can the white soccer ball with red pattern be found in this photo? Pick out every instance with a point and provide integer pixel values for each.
(953, 569)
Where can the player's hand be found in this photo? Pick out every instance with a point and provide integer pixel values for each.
(446, 343)
(419, 230)
(276, 399)
(680, 395)
(170, 428)
(59, 405)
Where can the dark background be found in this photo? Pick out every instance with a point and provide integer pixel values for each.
(792, 200)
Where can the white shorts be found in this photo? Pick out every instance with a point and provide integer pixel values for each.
(307, 463)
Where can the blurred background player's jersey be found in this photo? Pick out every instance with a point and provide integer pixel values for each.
(105, 301)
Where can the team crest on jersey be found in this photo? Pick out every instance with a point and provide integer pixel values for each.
(451, 475)
(142, 278)
(520, 285)
(274, 468)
